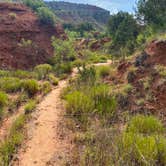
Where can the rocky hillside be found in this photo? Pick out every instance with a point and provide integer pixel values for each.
(78, 13)
(147, 75)
(24, 41)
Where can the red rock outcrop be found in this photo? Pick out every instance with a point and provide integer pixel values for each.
(25, 42)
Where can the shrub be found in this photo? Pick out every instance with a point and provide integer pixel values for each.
(103, 71)
(63, 51)
(104, 102)
(87, 75)
(46, 87)
(64, 68)
(161, 70)
(46, 16)
(30, 86)
(149, 150)
(34, 4)
(22, 74)
(145, 125)
(10, 84)
(53, 79)
(13, 16)
(77, 103)
(25, 43)
(3, 99)
(30, 106)
(43, 70)
(8, 147)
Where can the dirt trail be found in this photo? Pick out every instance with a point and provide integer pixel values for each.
(44, 142)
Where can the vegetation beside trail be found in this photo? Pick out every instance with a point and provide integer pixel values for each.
(115, 112)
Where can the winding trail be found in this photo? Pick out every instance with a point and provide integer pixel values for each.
(44, 142)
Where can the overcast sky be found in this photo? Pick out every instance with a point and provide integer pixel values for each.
(112, 5)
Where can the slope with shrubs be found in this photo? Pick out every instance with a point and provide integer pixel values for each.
(117, 112)
(20, 91)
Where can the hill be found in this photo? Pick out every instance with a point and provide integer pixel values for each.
(24, 41)
(78, 13)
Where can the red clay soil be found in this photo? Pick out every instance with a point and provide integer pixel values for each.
(17, 23)
(157, 50)
(156, 55)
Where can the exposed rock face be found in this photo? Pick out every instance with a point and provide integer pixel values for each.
(77, 13)
(24, 41)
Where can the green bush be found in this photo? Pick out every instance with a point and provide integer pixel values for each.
(63, 68)
(10, 84)
(22, 74)
(77, 103)
(104, 102)
(149, 150)
(87, 75)
(103, 71)
(30, 86)
(53, 79)
(145, 125)
(43, 70)
(46, 87)
(46, 16)
(9, 146)
(34, 4)
(3, 99)
(30, 106)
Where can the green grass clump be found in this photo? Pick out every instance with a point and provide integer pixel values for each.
(30, 86)
(104, 102)
(145, 125)
(149, 150)
(9, 146)
(43, 70)
(103, 71)
(3, 99)
(22, 74)
(161, 70)
(54, 81)
(46, 87)
(78, 102)
(30, 106)
(10, 84)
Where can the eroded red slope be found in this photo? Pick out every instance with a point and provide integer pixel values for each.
(18, 24)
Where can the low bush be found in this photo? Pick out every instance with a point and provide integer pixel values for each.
(45, 87)
(30, 106)
(46, 16)
(145, 125)
(103, 71)
(104, 102)
(3, 99)
(30, 86)
(53, 79)
(43, 70)
(149, 150)
(10, 84)
(9, 146)
(78, 102)
(87, 75)
(161, 70)
(64, 68)
(22, 74)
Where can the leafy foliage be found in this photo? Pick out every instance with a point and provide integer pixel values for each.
(46, 16)
(124, 30)
(146, 10)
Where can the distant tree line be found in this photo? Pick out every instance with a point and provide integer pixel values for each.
(129, 31)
